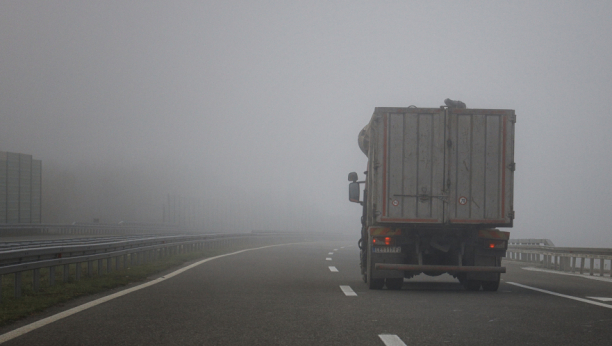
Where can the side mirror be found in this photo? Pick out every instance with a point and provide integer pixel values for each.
(352, 177)
(354, 192)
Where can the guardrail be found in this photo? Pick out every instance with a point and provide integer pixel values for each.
(93, 229)
(566, 259)
(121, 254)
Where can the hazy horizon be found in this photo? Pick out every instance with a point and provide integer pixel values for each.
(253, 108)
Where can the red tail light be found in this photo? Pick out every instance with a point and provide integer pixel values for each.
(383, 241)
(495, 244)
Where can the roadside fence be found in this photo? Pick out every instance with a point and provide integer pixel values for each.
(544, 253)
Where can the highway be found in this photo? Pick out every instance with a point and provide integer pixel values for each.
(312, 294)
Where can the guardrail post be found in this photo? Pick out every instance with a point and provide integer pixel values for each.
(117, 263)
(51, 276)
(77, 272)
(601, 267)
(582, 265)
(573, 264)
(565, 263)
(553, 264)
(90, 268)
(66, 272)
(17, 284)
(0, 288)
(35, 279)
(591, 265)
(125, 261)
(109, 264)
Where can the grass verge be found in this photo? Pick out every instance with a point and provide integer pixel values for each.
(31, 302)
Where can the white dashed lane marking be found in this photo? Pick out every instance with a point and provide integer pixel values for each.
(391, 340)
(335, 249)
(333, 269)
(348, 291)
(330, 253)
(328, 259)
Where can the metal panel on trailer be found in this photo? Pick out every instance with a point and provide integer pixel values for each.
(12, 188)
(25, 188)
(481, 166)
(412, 164)
(36, 191)
(3, 159)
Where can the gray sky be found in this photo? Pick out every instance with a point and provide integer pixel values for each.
(255, 106)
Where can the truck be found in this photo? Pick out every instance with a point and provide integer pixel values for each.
(438, 184)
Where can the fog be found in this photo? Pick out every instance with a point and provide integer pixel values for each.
(250, 110)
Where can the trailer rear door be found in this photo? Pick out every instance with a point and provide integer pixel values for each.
(480, 166)
(413, 165)
(444, 165)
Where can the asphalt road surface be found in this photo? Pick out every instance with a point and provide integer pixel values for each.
(312, 294)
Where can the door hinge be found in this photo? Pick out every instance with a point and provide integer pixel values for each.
(512, 166)
(511, 215)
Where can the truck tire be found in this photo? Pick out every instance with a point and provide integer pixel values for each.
(394, 283)
(472, 285)
(376, 284)
(490, 286)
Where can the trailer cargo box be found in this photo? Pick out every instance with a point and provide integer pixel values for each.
(442, 166)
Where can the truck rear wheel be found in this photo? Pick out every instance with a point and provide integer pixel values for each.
(472, 285)
(376, 284)
(490, 286)
(394, 283)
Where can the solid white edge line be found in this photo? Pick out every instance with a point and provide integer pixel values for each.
(391, 340)
(585, 276)
(32, 326)
(603, 299)
(333, 269)
(561, 295)
(348, 291)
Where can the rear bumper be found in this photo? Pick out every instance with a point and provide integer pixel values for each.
(439, 269)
